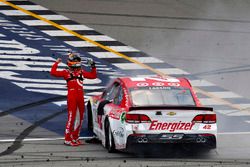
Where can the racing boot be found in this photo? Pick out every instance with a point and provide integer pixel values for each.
(71, 143)
(77, 142)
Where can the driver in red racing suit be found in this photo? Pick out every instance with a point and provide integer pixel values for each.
(75, 99)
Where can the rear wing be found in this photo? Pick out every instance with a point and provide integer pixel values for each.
(170, 108)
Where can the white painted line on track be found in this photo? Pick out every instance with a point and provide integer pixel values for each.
(128, 66)
(25, 68)
(54, 17)
(40, 85)
(77, 27)
(80, 43)
(148, 59)
(60, 49)
(247, 122)
(107, 55)
(24, 62)
(102, 55)
(94, 93)
(2, 35)
(123, 48)
(55, 33)
(54, 92)
(34, 22)
(99, 38)
(60, 103)
(42, 139)
(32, 7)
(13, 13)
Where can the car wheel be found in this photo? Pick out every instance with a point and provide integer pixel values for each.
(90, 117)
(110, 144)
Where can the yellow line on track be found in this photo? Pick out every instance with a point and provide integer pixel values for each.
(111, 50)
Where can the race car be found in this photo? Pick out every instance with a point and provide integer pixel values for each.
(151, 110)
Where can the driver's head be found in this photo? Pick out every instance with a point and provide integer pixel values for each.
(74, 61)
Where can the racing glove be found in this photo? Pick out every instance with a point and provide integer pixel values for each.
(91, 62)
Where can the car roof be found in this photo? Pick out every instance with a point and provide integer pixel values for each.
(131, 82)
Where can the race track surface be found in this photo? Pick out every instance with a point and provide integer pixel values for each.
(206, 42)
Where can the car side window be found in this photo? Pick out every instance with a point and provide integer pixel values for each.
(119, 95)
(110, 93)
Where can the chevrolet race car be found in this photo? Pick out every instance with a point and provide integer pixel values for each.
(151, 110)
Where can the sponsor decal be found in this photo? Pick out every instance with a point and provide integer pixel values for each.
(174, 84)
(141, 84)
(119, 132)
(123, 117)
(158, 84)
(165, 79)
(171, 126)
(207, 127)
(160, 87)
(126, 97)
(114, 115)
(171, 113)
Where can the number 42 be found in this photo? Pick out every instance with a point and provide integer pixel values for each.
(207, 127)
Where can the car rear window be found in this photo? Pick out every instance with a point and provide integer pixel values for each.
(151, 96)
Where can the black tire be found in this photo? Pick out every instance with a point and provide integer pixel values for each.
(109, 144)
(90, 117)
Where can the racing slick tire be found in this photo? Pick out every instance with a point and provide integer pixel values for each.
(90, 117)
(109, 139)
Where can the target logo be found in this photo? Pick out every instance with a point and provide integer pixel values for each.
(142, 84)
(158, 84)
(173, 84)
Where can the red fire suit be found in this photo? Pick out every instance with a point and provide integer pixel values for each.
(75, 98)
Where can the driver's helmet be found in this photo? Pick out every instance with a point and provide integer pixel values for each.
(74, 60)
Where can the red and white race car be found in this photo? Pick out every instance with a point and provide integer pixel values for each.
(151, 110)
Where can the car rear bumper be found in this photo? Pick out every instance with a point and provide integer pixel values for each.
(208, 140)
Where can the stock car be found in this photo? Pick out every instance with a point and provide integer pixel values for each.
(151, 110)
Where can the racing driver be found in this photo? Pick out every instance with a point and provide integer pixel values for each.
(74, 76)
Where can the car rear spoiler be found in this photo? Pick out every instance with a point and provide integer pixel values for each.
(171, 108)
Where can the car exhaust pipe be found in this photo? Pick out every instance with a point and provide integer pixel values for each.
(139, 140)
(203, 140)
(144, 140)
(198, 140)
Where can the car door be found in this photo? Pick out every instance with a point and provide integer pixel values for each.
(117, 119)
(106, 98)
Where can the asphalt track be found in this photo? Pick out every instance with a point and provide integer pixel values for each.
(33, 104)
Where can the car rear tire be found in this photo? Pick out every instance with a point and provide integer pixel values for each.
(110, 144)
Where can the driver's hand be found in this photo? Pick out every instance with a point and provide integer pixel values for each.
(59, 60)
(91, 62)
